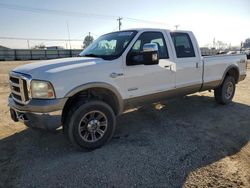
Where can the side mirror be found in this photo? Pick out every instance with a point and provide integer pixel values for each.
(150, 47)
(150, 54)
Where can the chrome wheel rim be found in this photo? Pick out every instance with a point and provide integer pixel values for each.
(229, 90)
(93, 126)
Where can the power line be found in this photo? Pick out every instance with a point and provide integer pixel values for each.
(71, 13)
(115, 29)
(53, 11)
(95, 35)
(144, 21)
(42, 39)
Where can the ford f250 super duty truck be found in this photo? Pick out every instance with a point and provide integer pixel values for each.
(121, 69)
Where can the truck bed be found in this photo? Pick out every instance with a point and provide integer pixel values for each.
(215, 66)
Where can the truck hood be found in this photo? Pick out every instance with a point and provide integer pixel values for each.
(57, 65)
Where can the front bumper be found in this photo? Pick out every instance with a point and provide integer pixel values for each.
(44, 114)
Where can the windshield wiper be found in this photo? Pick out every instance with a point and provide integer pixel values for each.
(91, 55)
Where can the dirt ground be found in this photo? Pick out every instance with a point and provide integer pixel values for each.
(183, 142)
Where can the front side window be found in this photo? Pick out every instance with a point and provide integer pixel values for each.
(151, 37)
(109, 46)
(183, 45)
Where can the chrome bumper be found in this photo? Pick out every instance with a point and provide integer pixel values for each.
(48, 118)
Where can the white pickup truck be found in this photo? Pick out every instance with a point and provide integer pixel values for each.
(121, 69)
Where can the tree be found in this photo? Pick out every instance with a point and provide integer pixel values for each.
(39, 46)
(246, 44)
(87, 41)
(221, 45)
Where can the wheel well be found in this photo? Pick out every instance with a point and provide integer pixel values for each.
(234, 73)
(102, 94)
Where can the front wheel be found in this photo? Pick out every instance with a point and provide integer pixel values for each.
(225, 93)
(90, 125)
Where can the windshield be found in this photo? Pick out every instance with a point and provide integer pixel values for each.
(109, 46)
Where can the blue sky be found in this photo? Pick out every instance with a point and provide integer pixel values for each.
(228, 21)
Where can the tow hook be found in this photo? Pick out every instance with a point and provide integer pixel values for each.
(22, 117)
(18, 116)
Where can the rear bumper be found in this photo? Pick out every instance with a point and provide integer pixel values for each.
(44, 114)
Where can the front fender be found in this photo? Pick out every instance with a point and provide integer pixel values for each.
(98, 85)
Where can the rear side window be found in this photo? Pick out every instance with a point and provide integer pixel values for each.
(183, 45)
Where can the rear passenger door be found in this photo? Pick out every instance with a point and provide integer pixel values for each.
(188, 61)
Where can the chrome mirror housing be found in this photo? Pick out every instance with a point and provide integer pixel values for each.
(150, 47)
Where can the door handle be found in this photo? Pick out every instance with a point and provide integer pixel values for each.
(197, 65)
(114, 74)
(168, 67)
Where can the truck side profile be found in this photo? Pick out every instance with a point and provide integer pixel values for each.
(118, 70)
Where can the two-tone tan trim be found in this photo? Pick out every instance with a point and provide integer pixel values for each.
(99, 85)
(210, 85)
(217, 83)
(157, 97)
(38, 105)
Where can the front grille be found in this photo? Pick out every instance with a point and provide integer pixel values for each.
(19, 87)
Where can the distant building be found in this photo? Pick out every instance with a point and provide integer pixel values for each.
(54, 48)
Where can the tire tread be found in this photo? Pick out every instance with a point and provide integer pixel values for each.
(68, 126)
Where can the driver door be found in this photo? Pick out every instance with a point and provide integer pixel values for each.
(143, 79)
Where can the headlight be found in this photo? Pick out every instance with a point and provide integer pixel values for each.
(42, 90)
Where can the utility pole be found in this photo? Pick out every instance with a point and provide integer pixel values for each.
(28, 42)
(69, 36)
(241, 45)
(89, 34)
(214, 43)
(119, 22)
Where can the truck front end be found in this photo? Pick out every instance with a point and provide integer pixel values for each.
(33, 102)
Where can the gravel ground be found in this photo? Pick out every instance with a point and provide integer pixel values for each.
(182, 142)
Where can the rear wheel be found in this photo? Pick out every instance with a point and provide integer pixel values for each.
(225, 93)
(90, 125)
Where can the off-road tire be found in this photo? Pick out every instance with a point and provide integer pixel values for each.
(74, 117)
(220, 93)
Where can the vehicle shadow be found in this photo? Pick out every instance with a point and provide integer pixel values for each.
(156, 145)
